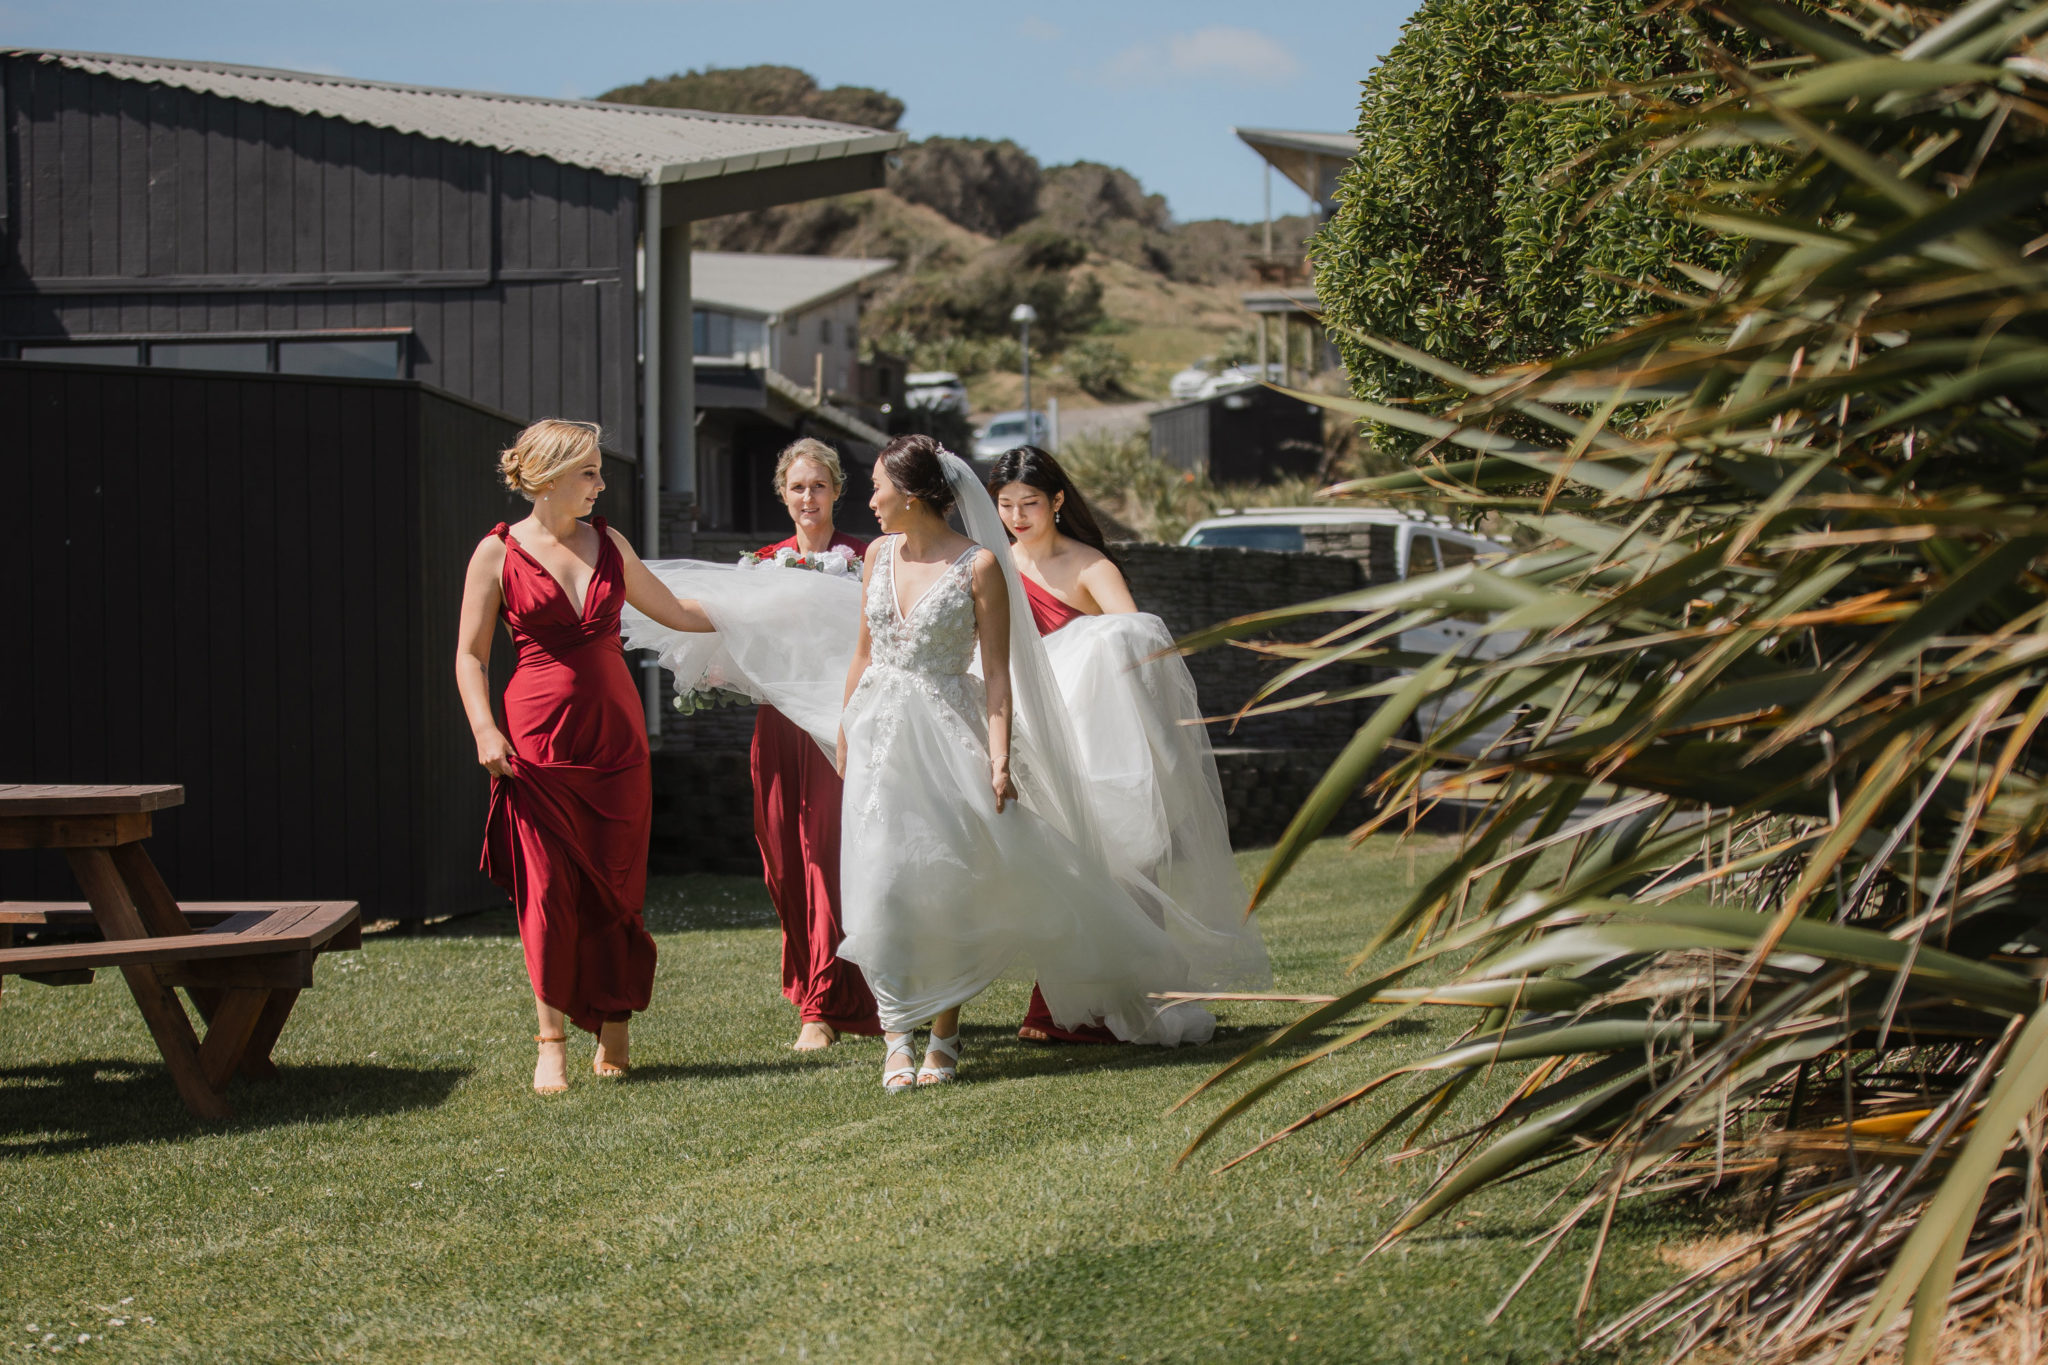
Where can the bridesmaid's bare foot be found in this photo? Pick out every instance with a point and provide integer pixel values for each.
(815, 1037)
(551, 1069)
(613, 1046)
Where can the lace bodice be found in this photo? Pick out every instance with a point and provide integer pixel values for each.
(935, 635)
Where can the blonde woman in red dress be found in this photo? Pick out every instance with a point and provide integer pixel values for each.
(797, 795)
(571, 799)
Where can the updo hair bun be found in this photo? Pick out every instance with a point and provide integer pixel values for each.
(543, 451)
(914, 466)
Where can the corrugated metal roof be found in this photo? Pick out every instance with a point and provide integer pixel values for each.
(646, 144)
(760, 282)
(1322, 144)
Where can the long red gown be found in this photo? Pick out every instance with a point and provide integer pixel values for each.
(567, 832)
(1049, 614)
(796, 822)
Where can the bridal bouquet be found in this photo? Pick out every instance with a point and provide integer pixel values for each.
(838, 562)
(709, 699)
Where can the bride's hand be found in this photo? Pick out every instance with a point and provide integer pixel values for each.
(839, 756)
(999, 778)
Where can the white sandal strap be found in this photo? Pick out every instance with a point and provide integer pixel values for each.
(949, 1046)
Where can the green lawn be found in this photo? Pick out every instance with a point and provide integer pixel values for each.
(401, 1196)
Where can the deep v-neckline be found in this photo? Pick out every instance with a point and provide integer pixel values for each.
(583, 610)
(896, 593)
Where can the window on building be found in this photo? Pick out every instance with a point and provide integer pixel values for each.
(85, 353)
(824, 331)
(211, 355)
(711, 332)
(1454, 552)
(329, 356)
(364, 359)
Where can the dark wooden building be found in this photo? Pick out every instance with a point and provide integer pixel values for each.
(1253, 434)
(191, 214)
(240, 308)
(247, 583)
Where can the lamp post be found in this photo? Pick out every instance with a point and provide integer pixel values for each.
(1024, 315)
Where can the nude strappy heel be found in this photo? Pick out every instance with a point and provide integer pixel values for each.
(603, 1065)
(540, 1089)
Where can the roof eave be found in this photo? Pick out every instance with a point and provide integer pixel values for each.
(868, 145)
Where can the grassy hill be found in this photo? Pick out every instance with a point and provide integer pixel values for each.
(1126, 296)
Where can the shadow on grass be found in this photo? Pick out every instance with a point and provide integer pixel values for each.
(92, 1104)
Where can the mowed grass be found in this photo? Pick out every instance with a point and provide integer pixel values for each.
(400, 1195)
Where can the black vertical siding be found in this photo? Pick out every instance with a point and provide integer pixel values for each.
(119, 183)
(249, 584)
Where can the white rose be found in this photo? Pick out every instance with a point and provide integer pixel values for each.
(786, 556)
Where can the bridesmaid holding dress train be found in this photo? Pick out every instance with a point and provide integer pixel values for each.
(1067, 572)
(571, 799)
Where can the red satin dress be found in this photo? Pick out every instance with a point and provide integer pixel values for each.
(1049, 614)
(796, 822)
(567, 832)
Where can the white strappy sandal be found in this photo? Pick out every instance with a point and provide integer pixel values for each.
(941, 1075)
(897, 1079)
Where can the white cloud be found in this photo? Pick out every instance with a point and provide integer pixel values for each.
(1236, 54)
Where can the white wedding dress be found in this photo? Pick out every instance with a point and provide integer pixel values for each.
(1112, 880)
(940, 893)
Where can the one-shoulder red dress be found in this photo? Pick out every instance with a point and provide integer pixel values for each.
(567, 832)
(796, 821)
(1049, 614)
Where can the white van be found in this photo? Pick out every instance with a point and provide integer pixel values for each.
(1390, 546)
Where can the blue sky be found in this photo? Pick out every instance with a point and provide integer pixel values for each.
(1148, 85)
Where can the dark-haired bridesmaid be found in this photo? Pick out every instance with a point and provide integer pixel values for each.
(1064, 561)
(571, 800)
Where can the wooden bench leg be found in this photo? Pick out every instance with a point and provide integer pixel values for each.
(172, 1030)
(234, 1022)
(6, 941)
(106, 890)
(158, 910)
(256, 1063)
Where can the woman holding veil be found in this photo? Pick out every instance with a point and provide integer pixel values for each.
(1137, 727)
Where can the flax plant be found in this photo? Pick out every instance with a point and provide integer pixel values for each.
(1758, 902)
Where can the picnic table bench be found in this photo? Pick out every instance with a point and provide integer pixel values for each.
(242, 963)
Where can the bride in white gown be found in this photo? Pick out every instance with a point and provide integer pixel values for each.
(1114, 773)
(954, 872)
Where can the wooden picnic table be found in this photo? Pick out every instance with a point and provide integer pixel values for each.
(242, 963)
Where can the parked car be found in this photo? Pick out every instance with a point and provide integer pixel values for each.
(1188, 383)
(1394, 546)
(939, 390)
(1238, 377)
(1008, 430)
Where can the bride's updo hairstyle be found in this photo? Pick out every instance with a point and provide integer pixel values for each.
(1037, 468)
(913, 465)
(544, 451)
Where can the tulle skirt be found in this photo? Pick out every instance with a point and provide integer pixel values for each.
(942, 895)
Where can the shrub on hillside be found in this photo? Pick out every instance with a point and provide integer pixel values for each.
(763, 90)
(1458, 230)
(985, 186)
(1099, 366)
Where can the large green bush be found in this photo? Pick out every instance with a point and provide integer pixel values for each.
(1456, 229)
